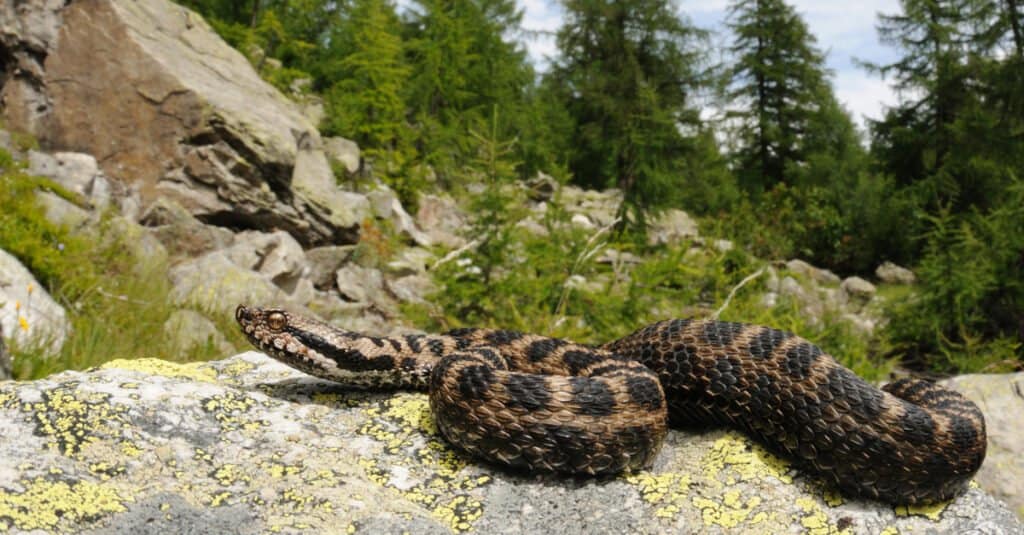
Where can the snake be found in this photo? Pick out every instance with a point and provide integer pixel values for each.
(542, 404)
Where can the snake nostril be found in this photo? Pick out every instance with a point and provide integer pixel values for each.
(241, 313)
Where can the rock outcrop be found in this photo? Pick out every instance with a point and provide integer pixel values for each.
(28, 315)
(164, 104)
(246, 445)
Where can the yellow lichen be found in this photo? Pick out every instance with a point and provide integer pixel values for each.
(730, 512)
(73, 419)
(889, 530)
(43, 504)
(931, 512)
(814, 520)
(667, 492)
(737, 459)
(196, 371)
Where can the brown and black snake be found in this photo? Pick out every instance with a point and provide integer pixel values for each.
(546, 404)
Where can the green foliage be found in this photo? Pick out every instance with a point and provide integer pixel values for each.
(967, 313)
(627, 76)
(116, 303)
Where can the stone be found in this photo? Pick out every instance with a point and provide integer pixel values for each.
(182, 234)
(343, 151)
(277, 256)
(359, 284)
(183, 114)
(1001, 399)
(412, 288)
(893, 274)
(541, 188)
(187, 330)
(75, 172)
(531, 225)
(323, 262)
(672, 227)
(63, 212)
(6, 362)
(410, 261)
(147, 250)
(387, 206)
(858, 289)
(722, 246)
(582, 221)
(441, 219)
(216, 285)
(28, 315)
(247, 445)
(816, 274)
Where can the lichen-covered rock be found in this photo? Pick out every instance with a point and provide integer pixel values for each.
(894, 274)
(246, 445)
(1001, 398)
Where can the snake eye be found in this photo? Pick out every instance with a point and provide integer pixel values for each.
(276, 320)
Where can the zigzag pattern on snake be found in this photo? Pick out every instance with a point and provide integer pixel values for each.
(546, 404)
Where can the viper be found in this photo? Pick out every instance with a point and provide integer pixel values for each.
(545, 404)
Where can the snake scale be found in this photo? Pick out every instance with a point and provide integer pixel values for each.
(551, 405)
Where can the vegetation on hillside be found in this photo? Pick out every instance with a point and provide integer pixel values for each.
(442, 95)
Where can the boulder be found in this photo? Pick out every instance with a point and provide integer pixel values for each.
(672, 227)
(541, 188)
(441, 219)
(277, 256)
(28, 315)
(1001, 398)
(74, 171)
(894, 274)
(323, 262)
(387, 206)
(247, 445)
(182, 234)
(150, 90)
(187, 329)
(858, 289)
(215, 284)
(412, 288)
(343, 151)
(6, 363)
(816, 274)
(63, 212)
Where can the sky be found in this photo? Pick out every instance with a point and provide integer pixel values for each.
(844, 32)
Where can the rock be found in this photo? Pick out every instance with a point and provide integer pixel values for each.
(343, 151)
(858, 289)
(355, 283)
(672, 227)
(277, 256)
(601, 207)
(215, 284)
(74, 171)
(387, 206)
(183, 114)
(441, 219)
(60, 211)
(147, 250)
(410, 261)
(822, 276)
(248, 445)
(28, 315)
(187, 329)
(412, 288)
(722, 246)
(894, 274)
(323, 262)
(180, 233)
(616, 257)
(541, 188)
(582, 221)
(1001, 398)
(533, 227)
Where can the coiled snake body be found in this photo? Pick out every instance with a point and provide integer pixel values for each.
(546, 404)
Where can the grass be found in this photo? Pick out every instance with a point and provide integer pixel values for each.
(116, 304)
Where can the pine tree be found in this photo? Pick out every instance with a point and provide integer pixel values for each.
(627, 74)
(463, 67)
(366, 104)
(780, 79)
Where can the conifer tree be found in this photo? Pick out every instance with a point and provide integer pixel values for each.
(628, 73)
(780, 81)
